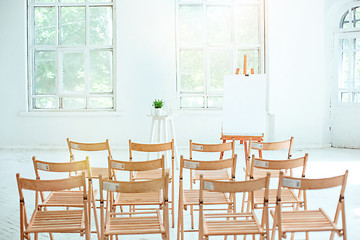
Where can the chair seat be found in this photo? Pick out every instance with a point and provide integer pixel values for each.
(64, 198)
(287, 196)
(307, 220)
(191, 197)
(149, 198)
(57, 221)
(221, 174)
(146, 175)
(138, 223)
(260, 173)
(97, 171)
(231, 224)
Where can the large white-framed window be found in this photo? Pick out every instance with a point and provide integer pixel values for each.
(71, 55)
(348, 45)
(212, 38)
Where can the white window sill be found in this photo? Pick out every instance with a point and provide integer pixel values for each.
(198, 112)
(71, 114)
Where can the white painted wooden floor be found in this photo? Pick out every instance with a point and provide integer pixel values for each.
(322, 163)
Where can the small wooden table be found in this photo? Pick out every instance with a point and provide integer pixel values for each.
(243, 140)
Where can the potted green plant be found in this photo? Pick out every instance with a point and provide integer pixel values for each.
(158, 104)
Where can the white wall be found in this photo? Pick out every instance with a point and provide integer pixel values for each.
(146, 70)
(298, 96)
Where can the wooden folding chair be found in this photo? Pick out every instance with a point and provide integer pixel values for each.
(190, 197)
(137, 199)
(309, 220)
(221, 174)
(57, 221)
(130, 223)
(156, 173)
(233, 223)
(67, 198)
(91, 147)
(267, 147)
(274, 167)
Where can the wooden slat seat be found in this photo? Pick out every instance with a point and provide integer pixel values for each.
(97, 171)
(64, 198)
(146, 175)
(149, 198)
(310, 220)
(120, 224)
(57, 221)
(221, 174)
(191, 197)
(232, 224)
(287, 196)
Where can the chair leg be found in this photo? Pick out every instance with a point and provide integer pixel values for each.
(192, 216)
(95, 215)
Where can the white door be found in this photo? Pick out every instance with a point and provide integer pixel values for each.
(345, 100)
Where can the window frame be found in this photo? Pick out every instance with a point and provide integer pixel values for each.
(60, 50)
(207, 48)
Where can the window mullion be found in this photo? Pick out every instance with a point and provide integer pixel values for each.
(205, 55)
(87, 56)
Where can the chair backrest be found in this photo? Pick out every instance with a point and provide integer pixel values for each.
(50, 185)
(87, 147)
(205, 165)
(212, 148)
(270, 146)
(136, 165)
(67, 167)
(151, 148)
(287, 164)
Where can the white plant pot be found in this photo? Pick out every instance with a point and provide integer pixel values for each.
(159, 112)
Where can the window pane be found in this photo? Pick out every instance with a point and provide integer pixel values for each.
(44, 1)
(45, 30)
(100, 0)
(346, 21)
(192, 102)
(346, 81)
(73, 72)
(345, 44)
(344, 97)
(220, 65)
(191, 24)
(72, 25)
(44, 72)
(79, 103)
(101, 102)
(191, 71)
(357, 70)
(45, 103)
(72, 1)
(218, 24)
(100, 27)
(101, 71)
(357, 97)
(215, 102)
(247, 25)
(252, 60)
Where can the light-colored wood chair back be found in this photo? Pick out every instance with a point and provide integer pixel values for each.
(287, 164)
(117, 165)
(206, 165)
(212, 148)
(87, 147)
